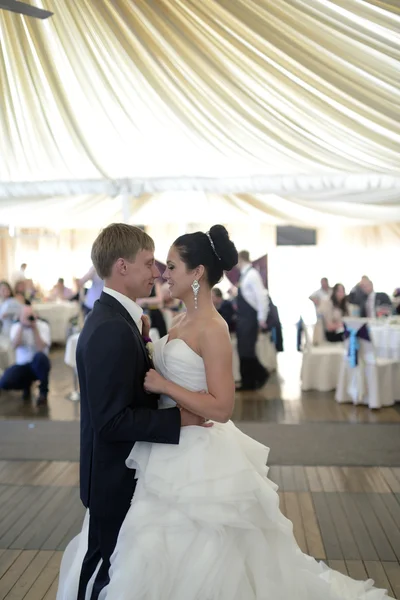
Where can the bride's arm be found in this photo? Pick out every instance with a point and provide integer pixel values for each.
(218, 403)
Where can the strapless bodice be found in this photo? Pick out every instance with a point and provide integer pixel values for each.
(177, 362)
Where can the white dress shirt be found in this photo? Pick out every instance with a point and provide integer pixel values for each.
(24, 354)
(321, 295)
(370, 306)
(133, 309)
(254, 292)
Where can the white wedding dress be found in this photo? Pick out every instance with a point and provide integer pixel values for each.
(204, 523)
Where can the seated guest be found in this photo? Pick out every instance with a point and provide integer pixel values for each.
(10, 308)
(225, 308)
(30, 338)
(375, 303)
(357, 295)
(333, 310)
(396, 294)
(60, 291)
(20, 288)
(321, 294)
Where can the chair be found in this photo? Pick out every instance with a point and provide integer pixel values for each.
(321, 365)
(374, 381)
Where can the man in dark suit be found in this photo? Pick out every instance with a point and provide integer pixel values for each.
(116, 412)
(225, 308)
(375, 302)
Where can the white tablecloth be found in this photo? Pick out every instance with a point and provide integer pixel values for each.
(72, 342)
(386, 340)
(58, 314)
(385, 337)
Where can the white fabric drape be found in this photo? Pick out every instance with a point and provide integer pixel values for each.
(119, 89)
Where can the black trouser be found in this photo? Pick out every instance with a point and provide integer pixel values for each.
(21, 377)
(103, 535)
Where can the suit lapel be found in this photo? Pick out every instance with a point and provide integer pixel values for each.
(117, 306)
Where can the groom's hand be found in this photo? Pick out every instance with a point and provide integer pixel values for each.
(188, 419)
(154, 382)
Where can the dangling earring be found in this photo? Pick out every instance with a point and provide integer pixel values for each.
(195, 288)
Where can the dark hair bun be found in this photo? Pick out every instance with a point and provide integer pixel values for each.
(224, 247)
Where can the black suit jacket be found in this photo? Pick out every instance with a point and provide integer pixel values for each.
(381, 299)
(115, 410)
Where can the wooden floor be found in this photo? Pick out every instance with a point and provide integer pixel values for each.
(347, 516)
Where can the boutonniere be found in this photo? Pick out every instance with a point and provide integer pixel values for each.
(150, 350)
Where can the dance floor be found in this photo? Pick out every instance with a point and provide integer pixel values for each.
(345, 514)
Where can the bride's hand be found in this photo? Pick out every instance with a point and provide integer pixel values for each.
(145, 326)
(154, 382)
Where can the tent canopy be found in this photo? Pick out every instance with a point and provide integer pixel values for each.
(276, 105)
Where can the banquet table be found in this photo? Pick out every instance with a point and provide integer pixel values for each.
(384, 333)
(58, 314)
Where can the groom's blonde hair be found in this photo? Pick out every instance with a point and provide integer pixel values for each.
(118, 240)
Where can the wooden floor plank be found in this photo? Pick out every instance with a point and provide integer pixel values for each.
(52, 592)
(15, 571)
(30, 495)
(338, 565)
(392, 570)
(376, 572)
(29, 514)
(328, 532)
(326, 478)
(380, 540)
(46, 578)
(288, 484)
(29, 576)
(7, 558)
(357, 525)
(294, 514)
(69, 476)
(377, 481)
(300, 479)
(312, 533)
(66, 521)
(314, 482)
(342, 526)
(390, 479)
(388, 524)
(356, 570)
(39, 528)
(10, 501)
(353, 478)
(51, 473)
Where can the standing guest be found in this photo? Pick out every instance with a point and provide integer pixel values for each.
(60, 291)
(333, 310)
(94, 292)
(324, 292)
(375, 303)
(252, 303)
(153, 306)
(10, 308)
(225, 308)
(19, 275)
(31, 340)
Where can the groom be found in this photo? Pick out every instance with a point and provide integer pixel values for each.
(115, 410)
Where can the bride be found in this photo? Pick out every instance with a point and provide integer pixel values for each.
(204, 523)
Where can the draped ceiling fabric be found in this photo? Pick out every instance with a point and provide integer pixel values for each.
(286, 110)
